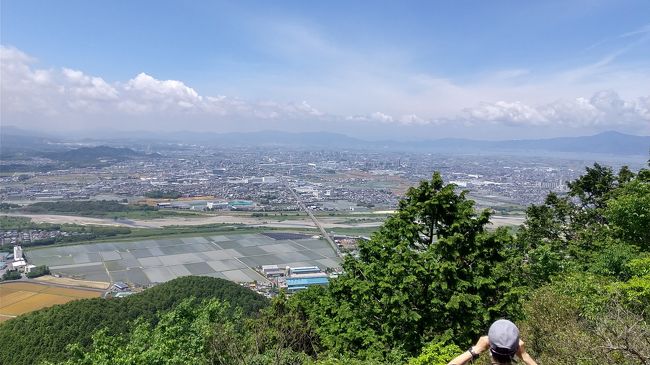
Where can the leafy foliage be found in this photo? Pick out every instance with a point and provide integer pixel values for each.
(432, 268)
(38, 271)
(588, 328)
(161, 194)
(85, 207)
(629, 213)
(11, 275)
(437, 352)
(181, 336)
(52, 329)
(7, 206)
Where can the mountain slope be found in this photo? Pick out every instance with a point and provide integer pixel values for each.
(44, 334)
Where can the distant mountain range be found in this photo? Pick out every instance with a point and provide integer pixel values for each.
(611, 143)
(614, 143)
(92, 154)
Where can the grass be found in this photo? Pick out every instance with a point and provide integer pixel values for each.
(99, 209)
(357, 231)
(147, 214)
(379, 219)
(274, 216)
(20, 223)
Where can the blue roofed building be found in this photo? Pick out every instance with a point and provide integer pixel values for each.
(297, 284)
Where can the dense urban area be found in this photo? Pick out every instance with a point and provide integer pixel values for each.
(322, 178)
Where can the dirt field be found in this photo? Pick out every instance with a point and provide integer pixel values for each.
(502, 221)
(303, 222)
(19, 297)
(73, 282)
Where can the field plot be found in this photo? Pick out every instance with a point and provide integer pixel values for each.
(231, 257)
(18, 298)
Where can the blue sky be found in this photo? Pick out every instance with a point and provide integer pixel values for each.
(479, 69)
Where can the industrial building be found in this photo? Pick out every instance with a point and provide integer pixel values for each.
(299, 278)
(297, 284)
(272, 271)
(303, 270)
(120, 286)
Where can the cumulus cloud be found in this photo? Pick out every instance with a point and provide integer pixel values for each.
(60, 95)
(412, 119)
(379, 117)
(604, 108)
(82, 87)
(27, 90)
(149, 94)
(505, 112)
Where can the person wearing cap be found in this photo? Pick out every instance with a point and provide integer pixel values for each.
(503, 342)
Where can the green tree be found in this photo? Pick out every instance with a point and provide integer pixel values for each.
(431, 268)
(180, 337)
(437, 352)
(593, 188)
(38, 271)
(53, 329)
(569, 232)
(629, 213)
(11, 275)
(583, 320)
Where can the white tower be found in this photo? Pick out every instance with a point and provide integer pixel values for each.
(18, 253)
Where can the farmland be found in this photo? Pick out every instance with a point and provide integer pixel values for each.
(19, 297)
(226, 256)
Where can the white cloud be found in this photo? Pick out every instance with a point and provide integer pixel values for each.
(60, 96)
(604, 108)
(412, 119)
(23, 88)
(373, 117)
(150, 88)
(82, 86)
(68, 94)
(379, 117)
(515, 113)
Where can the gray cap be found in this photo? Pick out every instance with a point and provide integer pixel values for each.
(504, 338)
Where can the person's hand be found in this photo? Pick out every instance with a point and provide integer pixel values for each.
(482, 344)
(523, 355)
(521, 351)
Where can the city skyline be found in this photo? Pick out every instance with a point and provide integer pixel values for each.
(376, 70)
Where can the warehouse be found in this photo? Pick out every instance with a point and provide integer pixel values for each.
(297, 284)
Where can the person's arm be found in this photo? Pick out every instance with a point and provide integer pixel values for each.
(482, 344)
(523, 355)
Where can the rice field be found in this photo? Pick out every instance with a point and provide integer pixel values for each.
(232, 257)
(17, 298)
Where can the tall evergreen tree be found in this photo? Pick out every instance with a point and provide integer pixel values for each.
(432, 268)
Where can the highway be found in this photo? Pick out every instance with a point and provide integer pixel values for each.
(320, 227)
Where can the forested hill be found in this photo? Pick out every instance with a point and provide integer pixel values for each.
(44, 334)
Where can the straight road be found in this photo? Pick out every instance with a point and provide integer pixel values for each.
(320, 227)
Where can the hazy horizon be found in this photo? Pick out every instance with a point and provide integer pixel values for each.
(373, 71)
(111, 134)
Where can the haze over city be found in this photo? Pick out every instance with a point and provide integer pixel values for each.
(376, 70)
